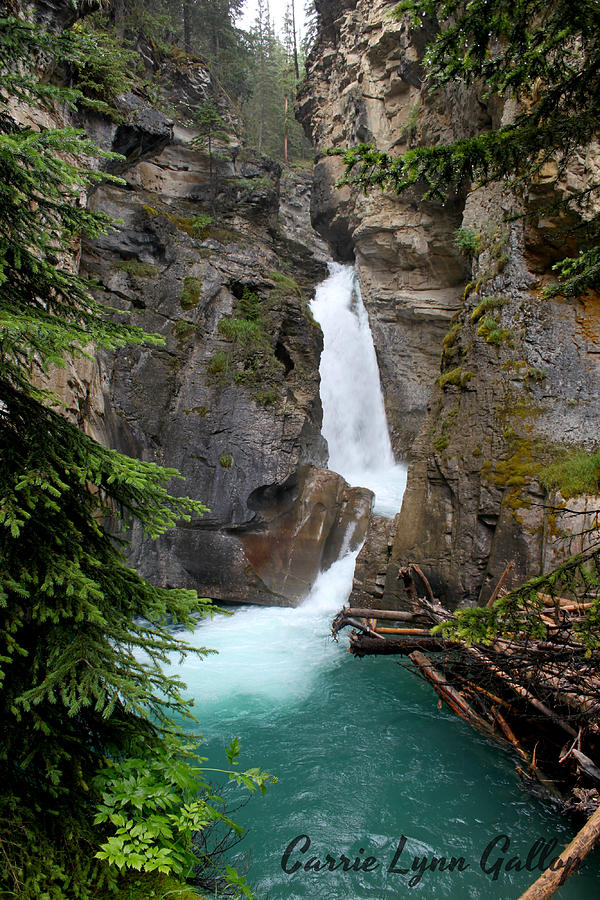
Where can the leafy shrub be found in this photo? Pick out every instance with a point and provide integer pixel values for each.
(468, 241)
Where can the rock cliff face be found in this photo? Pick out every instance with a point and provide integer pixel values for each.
(519, 375)
(518, 390)
(232, 399)
(365, 85)
(208, 257)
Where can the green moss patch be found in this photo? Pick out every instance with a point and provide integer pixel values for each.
(183, 331)
(137, 269)
(284, 286)
(252, 359)
(219, 366)
(195, 226)
(455, 378)
(450, 345)
(576, 473)
(442, 441)
(191, 293)
(486, 304)
(493, 333)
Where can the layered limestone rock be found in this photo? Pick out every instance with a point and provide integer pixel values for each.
(519, 377)
(373, 569)
(518, 391)
(232, 399)
(365, 85)
(206, 256)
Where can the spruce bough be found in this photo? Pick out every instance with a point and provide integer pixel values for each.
(87, 710)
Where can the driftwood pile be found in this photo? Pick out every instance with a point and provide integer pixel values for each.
(540, 696)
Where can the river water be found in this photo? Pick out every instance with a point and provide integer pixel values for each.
(368, 766)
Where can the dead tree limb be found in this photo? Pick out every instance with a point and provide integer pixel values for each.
(494, 595)
(523, 692)
(452, 697)
(396, 615)
(426, 585)
(568, 861)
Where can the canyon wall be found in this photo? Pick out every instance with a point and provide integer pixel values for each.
(207, 256)
(486, 381)
(364, 84)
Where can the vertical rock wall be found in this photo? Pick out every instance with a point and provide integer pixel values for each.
(365, 85)
(205, 255)
(518, 380)
(232, 398)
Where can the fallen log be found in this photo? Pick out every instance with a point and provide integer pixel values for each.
(494, 595)
(452, 697)
(365, 628)
(409, 586)
(523, 692)
(534, 770)
(567, 607)
(584, 763)
(509, 733)
(426, 585)
(382, 630)
(477, 689)
(363, 645)
(398, 615)
(563, 602)
(567, 863)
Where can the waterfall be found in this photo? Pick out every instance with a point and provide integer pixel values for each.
(354, 421)
(277, 653)
(269, 655)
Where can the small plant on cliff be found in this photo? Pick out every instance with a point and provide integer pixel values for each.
(486, 304)
(468, 241)
(575, 473)
(191, 293)
(253, 360)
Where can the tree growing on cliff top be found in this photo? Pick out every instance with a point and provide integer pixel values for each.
(82, 713)
(546, 56)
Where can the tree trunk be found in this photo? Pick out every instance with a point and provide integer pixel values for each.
(567, 862)
(187, 26)
(295, 42)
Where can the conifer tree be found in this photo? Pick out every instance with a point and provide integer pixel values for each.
(311, 25)
(76, 623)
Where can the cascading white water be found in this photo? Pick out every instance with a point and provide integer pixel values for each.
(269, 655)
(354, 422)
(263, 653)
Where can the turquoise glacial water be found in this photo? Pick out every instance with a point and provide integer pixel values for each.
(364, 759)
